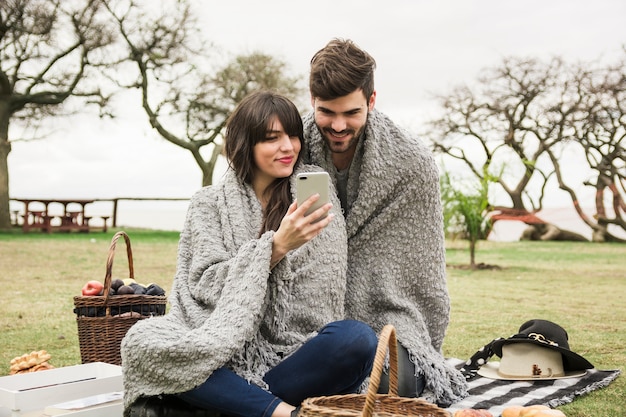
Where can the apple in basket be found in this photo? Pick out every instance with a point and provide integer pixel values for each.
(92, 287)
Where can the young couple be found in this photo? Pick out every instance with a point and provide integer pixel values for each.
(270, 306)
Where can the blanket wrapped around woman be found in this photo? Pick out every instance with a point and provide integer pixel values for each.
(227, 307)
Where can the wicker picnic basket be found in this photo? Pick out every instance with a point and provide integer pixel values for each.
(373, 404)
(104, 320)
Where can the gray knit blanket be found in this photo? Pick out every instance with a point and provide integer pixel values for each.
(227, 308)
(396, 247)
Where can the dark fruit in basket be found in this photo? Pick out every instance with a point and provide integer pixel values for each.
(139, 289)
(112, 291)
(116, 283)
(154, 289)
(125, 289)
(90, 311)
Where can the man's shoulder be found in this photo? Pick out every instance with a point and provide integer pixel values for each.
(383, 128)
(398, 145)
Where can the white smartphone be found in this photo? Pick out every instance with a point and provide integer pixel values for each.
(309, 183)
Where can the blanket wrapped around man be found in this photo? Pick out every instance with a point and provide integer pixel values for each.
(396, 250)
(227, 308)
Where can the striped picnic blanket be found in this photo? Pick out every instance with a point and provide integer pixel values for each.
(496, 395)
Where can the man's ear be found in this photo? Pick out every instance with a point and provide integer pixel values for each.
(372, 101)
(313, 102)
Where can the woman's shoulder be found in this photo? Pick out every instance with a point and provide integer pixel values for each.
(206, 196)
(228, 180)
(206, 192)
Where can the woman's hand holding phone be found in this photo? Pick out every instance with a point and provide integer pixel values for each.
(298, 227)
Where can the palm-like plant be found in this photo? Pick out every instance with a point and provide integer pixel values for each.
(466, 211)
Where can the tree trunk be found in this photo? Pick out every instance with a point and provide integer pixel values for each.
(472, 244)
(548, 231)
(538, 229)
(208, 167)
(5, 149)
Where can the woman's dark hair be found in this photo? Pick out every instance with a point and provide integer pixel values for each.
(247, 126)
(339, 69)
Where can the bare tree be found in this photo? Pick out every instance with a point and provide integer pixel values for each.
(49, 50)
(57, 55)
(600, 131)
(186, 95)
(519, 118)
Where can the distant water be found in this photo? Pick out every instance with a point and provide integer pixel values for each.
(170, 215)
(160, 215)
(166, 217)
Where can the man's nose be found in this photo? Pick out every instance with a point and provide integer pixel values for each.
(338, 124)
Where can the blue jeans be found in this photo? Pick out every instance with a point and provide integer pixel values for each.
(409, 385)
(336, 361)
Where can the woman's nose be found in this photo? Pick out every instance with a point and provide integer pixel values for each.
(285, 143)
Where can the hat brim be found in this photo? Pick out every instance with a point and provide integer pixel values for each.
(572, 361)
(490, 370)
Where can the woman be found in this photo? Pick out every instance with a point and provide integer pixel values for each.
(255, 324)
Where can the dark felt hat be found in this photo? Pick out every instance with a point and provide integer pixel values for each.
(547, 334)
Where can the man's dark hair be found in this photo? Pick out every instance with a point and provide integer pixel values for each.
(339, 69)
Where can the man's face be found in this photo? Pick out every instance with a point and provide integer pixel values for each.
(342, 120)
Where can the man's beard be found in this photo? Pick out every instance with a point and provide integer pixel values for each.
(343, 147)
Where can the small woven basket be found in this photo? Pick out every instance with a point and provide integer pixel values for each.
(373, 404)
(104, 320)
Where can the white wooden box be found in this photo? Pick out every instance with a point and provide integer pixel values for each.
(22, 393)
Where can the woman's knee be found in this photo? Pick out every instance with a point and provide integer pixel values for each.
(353, 337)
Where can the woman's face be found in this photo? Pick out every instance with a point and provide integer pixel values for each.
(276, 156)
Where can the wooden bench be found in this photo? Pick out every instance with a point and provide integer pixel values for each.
(73, 221)
(37, 219)
(91, 227)
(68, 221)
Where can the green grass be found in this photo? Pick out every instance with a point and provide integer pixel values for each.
(40, 274)
(578, 285)
(581, 286)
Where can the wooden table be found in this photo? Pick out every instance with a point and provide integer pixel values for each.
(69, 220)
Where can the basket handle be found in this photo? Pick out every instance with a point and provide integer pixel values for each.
(109, 270)
(386, 339)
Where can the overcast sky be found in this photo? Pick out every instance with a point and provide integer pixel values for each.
(421, 47)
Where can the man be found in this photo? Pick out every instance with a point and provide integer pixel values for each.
(388, 185)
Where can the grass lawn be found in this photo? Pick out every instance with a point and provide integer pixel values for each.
(581, 286)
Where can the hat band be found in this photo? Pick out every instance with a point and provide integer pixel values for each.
(542, 339)
(538, 375)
